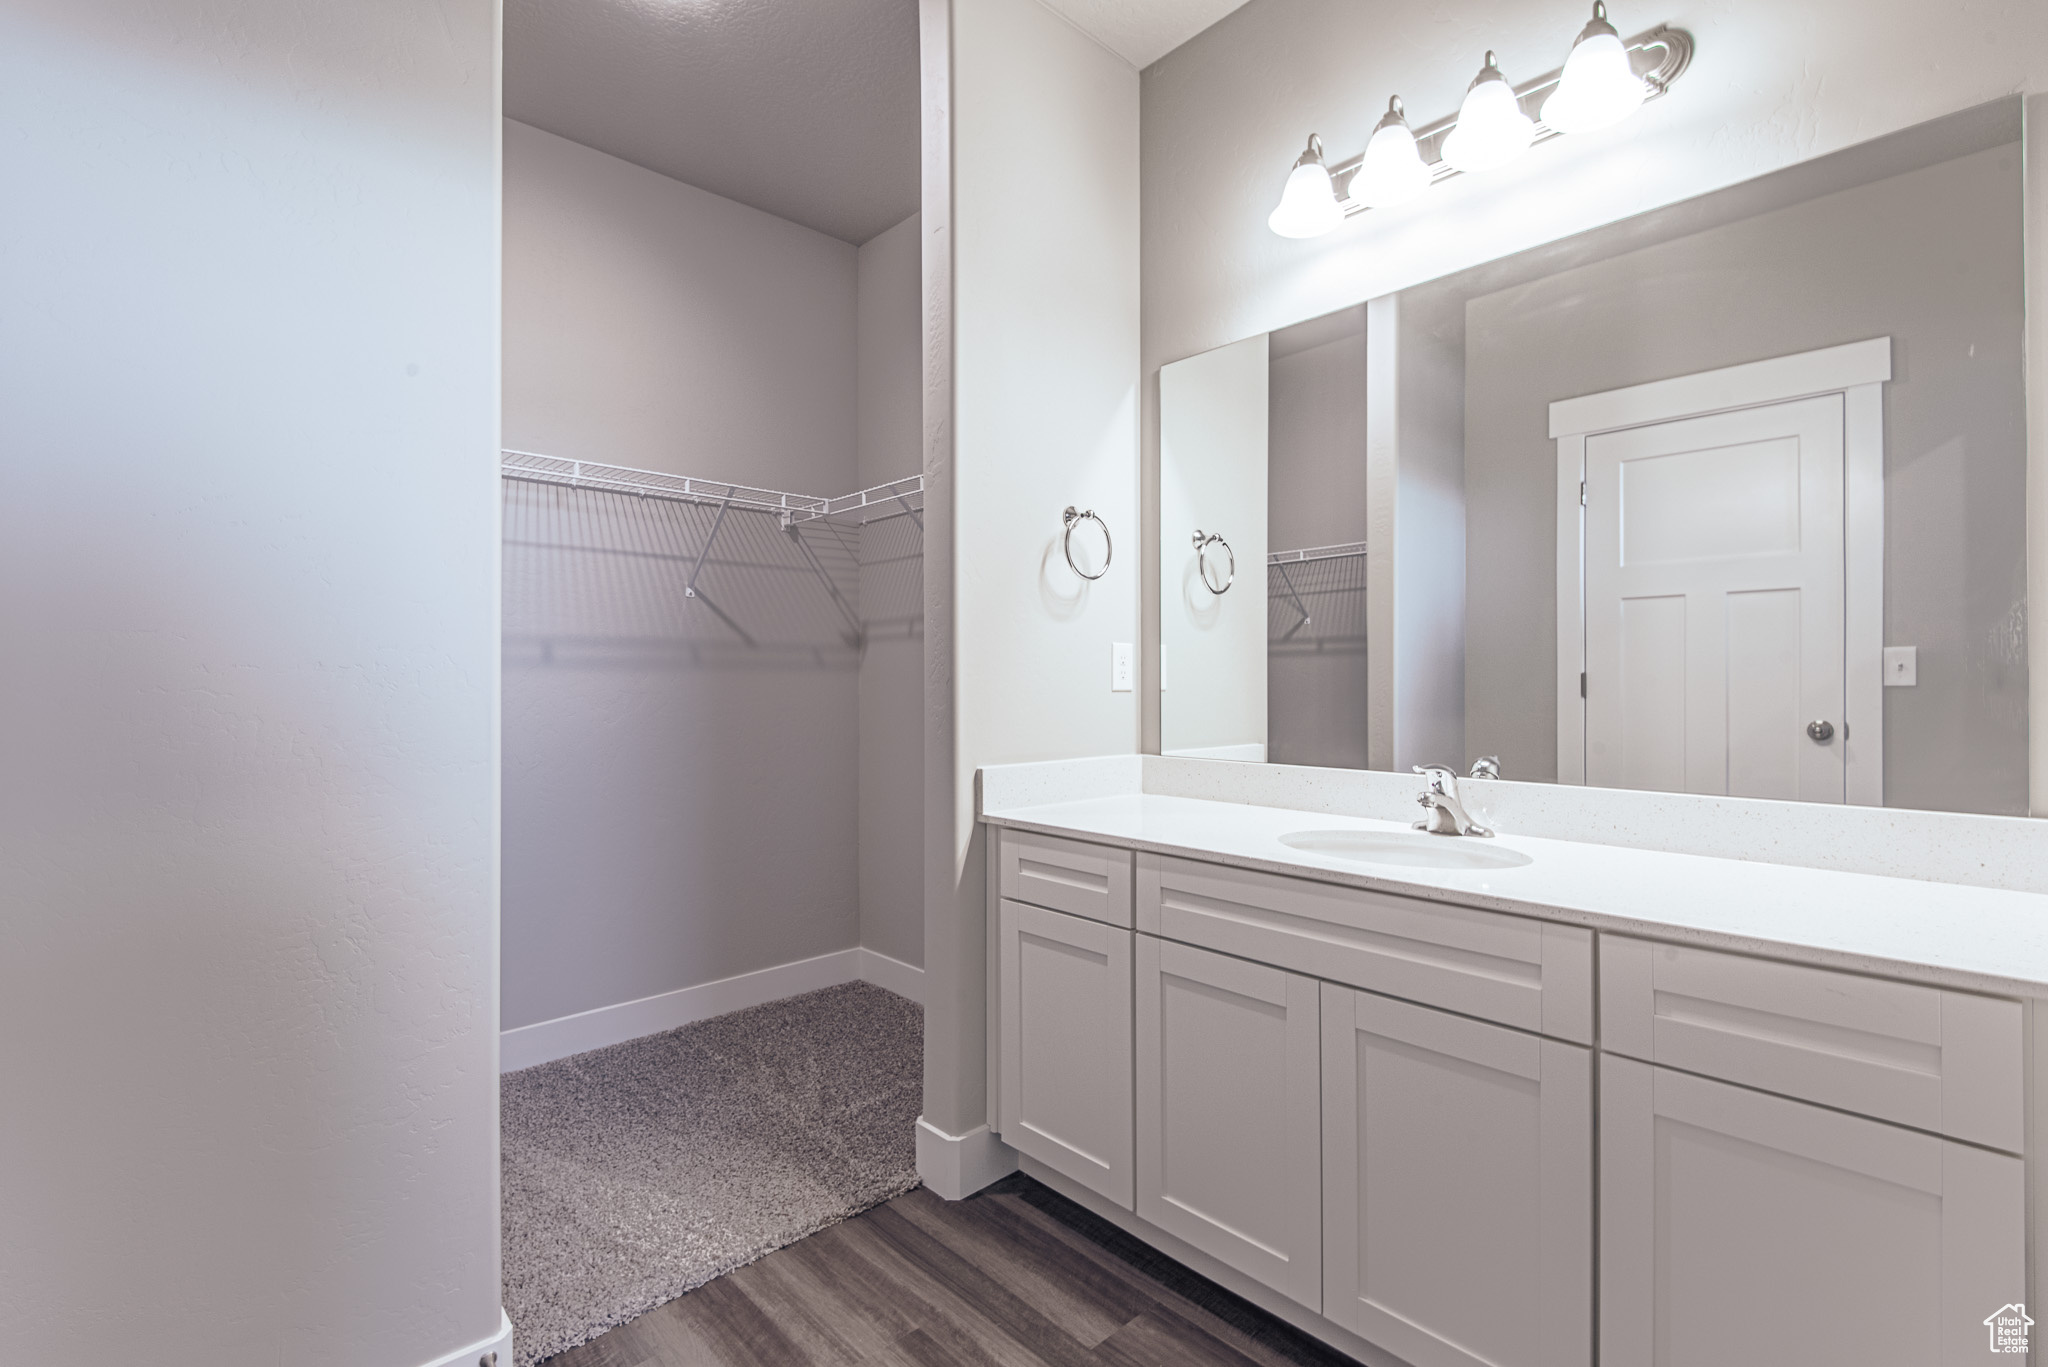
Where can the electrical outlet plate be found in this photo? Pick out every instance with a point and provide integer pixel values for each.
(1901, 666)
(1122, 666)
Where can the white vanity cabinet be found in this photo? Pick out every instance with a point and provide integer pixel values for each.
(1064, 1031)
(1378, 1113)
(1457, 1186)
(1737, 1226)
(1840, 1235)
(1229, 1086)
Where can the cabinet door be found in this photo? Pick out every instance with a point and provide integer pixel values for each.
(1066, 1045)
(1227, 1112)
(1736, 1226)
(1457, 1186)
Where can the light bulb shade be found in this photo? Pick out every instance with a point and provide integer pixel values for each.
(1492, 129)
(1392, 170)
(1599, 85)
(1308, 204)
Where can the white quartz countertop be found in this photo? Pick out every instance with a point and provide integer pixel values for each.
(1984, 939)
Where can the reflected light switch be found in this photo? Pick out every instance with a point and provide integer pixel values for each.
(1120, 667)
(1901, 666)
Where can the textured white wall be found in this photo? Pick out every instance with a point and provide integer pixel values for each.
(669, 820)
(1226, 113)
(248, 767)
(891, 419)
(1031, 405)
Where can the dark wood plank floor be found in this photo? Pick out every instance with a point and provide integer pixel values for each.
(1016, 1276)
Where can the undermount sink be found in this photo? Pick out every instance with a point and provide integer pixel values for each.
(1411, 849)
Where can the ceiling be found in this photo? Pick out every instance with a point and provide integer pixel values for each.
(1142, 31)
(806, 109)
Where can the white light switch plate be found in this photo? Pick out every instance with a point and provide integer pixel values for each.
(1901, 666)
(1121, 668)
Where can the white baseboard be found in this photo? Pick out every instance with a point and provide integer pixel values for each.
(958, 1165)
(481, 1351)
(546, 1041)
(892, 975)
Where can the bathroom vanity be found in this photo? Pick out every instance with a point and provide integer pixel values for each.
(1521, 1100)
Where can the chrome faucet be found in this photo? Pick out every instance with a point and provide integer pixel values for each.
(1486, 766)
(1439, 799)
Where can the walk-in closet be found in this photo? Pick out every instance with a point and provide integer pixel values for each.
(712, 500)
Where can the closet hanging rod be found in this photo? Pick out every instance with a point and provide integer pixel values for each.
(893, 499)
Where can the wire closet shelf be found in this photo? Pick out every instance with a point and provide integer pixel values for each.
(895, 499)
(605, 560)
(1320, 586)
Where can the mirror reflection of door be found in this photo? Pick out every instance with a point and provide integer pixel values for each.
(1714, 600)
(1721, 580)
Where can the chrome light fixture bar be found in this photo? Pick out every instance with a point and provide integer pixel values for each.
(1658, 58)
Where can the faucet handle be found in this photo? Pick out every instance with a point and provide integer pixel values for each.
(1442, 778)
(1486, 766)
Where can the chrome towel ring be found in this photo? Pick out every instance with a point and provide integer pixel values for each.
(1203, 541)
(1072, 518)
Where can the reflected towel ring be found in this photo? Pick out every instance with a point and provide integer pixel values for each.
(1203, 541)
(1070, 519)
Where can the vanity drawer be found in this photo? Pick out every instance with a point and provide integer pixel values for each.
(1510, 969)
(1948, 1062)
(1066, 875)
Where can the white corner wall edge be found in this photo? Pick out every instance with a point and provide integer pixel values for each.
(546, 1041)
(480, 1353)
(958, 1165)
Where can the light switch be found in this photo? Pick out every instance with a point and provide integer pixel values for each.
(1121, 667)
(1901, 666)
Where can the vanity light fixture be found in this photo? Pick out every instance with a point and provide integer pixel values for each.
(1392, 171)
(1599, 85)
(1491, 130)
(1604, 79)
(1308, 205)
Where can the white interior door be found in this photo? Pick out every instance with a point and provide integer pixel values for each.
(1714, 603)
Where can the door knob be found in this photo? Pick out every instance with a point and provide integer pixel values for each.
(1821, 731)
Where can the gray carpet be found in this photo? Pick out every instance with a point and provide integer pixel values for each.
(635, 1173)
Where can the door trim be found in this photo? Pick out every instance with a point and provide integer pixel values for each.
(1858, 372)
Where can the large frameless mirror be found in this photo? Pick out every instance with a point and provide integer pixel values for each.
(1726, 498)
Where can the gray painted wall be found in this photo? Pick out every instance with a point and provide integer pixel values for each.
(1931, 257)
(889, 403)
(248, 771)
(1315, 469)
(675, 812)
